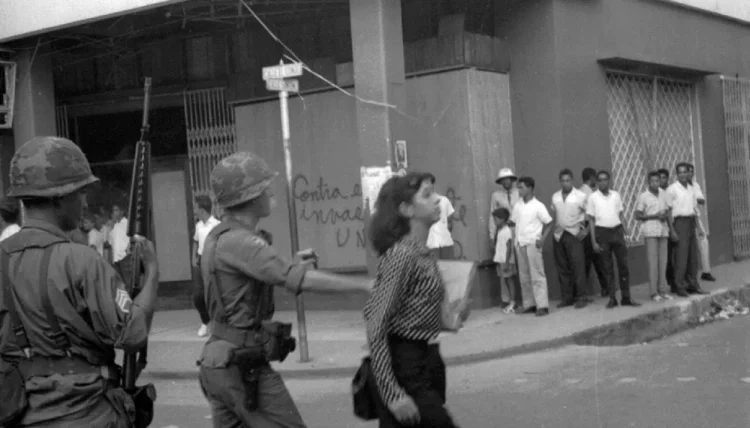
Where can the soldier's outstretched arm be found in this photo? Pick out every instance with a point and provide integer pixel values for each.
(256, 259)
(117, 320)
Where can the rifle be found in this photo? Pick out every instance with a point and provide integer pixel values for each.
(139, 223)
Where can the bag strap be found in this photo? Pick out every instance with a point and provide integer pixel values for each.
(19, 333)
(60, 338)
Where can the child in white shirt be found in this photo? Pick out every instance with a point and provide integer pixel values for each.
(506, 266)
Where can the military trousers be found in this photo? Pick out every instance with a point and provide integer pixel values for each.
(225, 392)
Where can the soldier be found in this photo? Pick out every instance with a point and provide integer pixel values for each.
(240, 271)
(63, 355)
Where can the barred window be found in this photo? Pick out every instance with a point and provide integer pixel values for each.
(650, 127)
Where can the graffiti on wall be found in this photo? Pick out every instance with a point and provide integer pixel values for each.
(339, 210)
(322, 205)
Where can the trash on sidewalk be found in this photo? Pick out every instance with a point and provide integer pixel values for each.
(729, 308)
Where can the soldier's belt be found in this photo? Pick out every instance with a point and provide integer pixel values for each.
(236, 336)
(43, 366)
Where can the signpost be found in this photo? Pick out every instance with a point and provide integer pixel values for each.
(276, 78)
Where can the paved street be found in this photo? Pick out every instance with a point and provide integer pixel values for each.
(697, 379)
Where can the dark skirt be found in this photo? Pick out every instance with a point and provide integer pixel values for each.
(420, 370)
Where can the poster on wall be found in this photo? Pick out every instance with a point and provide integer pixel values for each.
(402, 158)
(373, 178)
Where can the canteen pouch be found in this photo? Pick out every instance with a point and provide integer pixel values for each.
(13, 400)
(248, 362)
(277, 340)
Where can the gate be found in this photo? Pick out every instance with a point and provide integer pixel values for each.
(737, 134)
(651, 126)
(61, 121)
(210, 134)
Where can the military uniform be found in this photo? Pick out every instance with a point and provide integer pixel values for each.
(71, 378)
(239, 272)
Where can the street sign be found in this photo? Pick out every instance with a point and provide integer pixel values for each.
(289, 85)
(282, 71)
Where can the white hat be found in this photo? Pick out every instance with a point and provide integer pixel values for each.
(505, 173)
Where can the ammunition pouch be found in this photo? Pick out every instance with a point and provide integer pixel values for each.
(274, 339)
(278, 341)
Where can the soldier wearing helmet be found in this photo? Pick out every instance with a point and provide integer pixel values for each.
(64, 308)
(240, 270)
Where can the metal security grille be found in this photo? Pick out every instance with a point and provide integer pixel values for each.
(650, 127)
(61, 121)
(737, 131)
(210, 134)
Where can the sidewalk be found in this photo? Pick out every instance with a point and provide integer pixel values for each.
(337, 338)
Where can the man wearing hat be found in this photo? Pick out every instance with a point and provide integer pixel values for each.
(240, 271)
(505, 197)
(65, 309)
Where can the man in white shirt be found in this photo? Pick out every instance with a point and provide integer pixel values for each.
(532, 222)
(703, 245)
(588, 177)
(206, 222)
(607, 233)
(683, 202)
(9, 217)
(569, 209)
(664, 184)
(119, 241)
(439, 241)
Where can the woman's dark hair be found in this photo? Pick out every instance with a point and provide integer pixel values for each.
(387, 225)
(204, 201)
(502, 213)
(9, 210)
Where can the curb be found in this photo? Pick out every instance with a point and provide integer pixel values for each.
(641, 328)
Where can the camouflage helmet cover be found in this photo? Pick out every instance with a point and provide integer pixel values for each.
(47, 167)
(239, 178)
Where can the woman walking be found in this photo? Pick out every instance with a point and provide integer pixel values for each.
(403, 314)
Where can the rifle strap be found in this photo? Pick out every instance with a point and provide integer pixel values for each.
(19, 333)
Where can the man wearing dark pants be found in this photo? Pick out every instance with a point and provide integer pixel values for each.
(607, 229)
(588, 176)
(569, 209)
(664, 184)
(683, 203)
(205, 223)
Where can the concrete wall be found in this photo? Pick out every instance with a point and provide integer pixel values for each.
(559, 95)
(462, 126)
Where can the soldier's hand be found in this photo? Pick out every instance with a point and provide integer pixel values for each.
(307, 256)
(405, 411)
(148, 252)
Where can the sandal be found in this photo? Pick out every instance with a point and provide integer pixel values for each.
(510, 309)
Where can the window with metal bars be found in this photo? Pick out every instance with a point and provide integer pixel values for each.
(650, 127)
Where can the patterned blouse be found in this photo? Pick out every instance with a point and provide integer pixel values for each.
(406, 302)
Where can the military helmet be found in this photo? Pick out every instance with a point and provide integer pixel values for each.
(239, 178)
(46, 167)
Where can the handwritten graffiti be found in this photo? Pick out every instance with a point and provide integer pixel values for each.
(324, 205)
(339, 210)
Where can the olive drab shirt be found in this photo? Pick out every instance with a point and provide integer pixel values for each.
(92, 308)
(248, 267)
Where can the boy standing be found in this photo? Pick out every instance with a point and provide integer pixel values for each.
(607, 230)
(653, 211)
(506, 266)
(205, 223)
(439, 241)
(532, 222)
